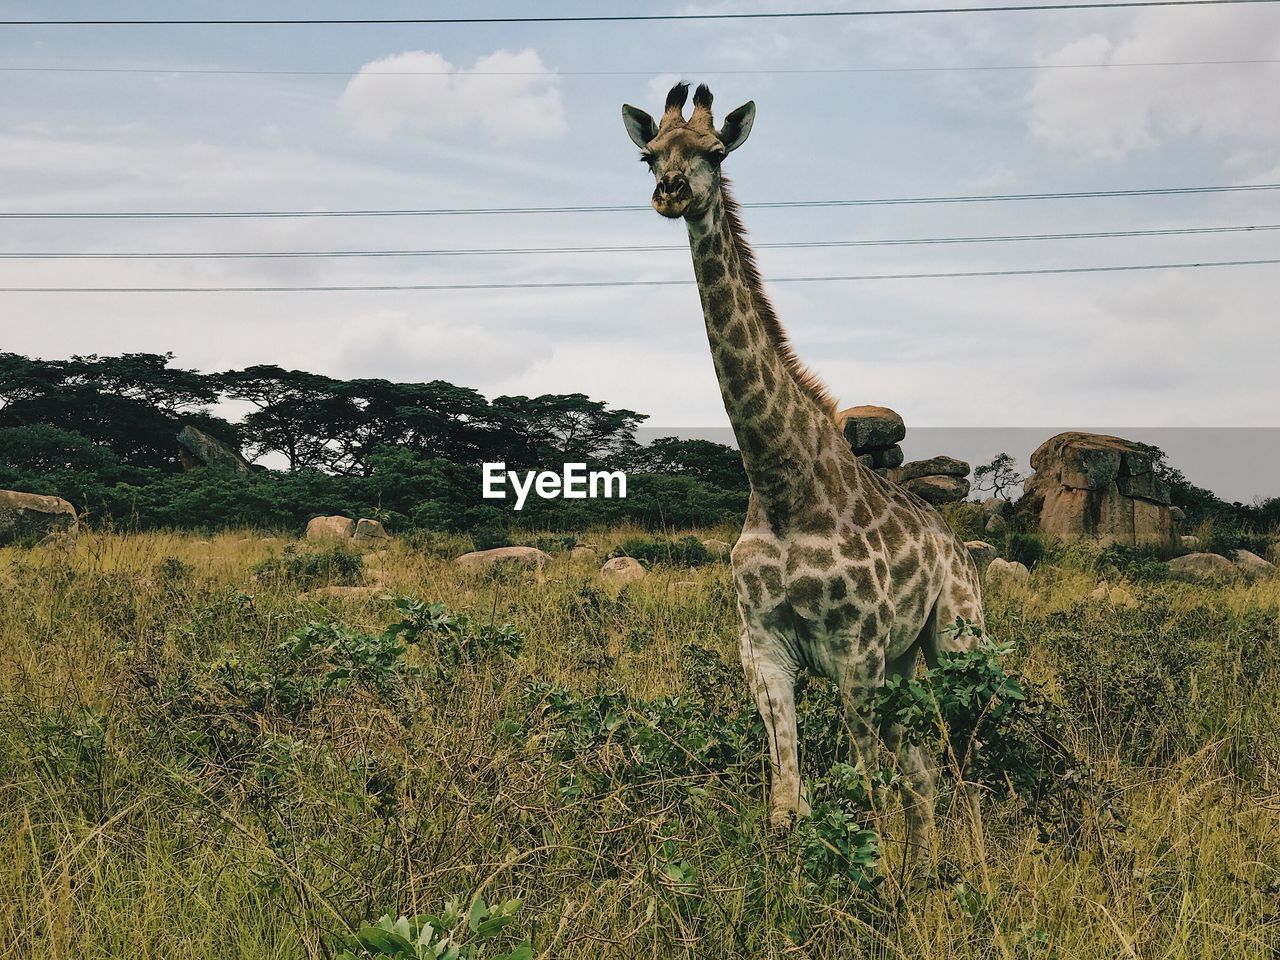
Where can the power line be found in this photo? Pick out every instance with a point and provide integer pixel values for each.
(625, 248)
(575, 284)
(623, 18)
(620, 208)
(764, 71)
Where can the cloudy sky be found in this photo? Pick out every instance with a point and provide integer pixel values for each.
(522, 115)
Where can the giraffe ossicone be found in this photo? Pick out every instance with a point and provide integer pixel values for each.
(838, 571)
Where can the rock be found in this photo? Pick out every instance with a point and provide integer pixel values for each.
(887, 458)
(584, 550)
(997, 507)
(939, 489)
(1252, 566)
(1204, 567)
(1189, 542)
(720, 548)
(370, 531)
(867, 460)
(996, 525)
(982, 552)
(1116, 596)
(1178, 515)
(331, 528)
(870, 427)
(623, 570)
(197, 449)
(1006, 572)
(30, 518)
(934, 467)
(521, 556)
(341, 593)
(1101, 487)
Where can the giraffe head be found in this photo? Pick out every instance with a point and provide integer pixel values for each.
(685, 155)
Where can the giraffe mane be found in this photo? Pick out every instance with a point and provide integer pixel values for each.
(806, 379)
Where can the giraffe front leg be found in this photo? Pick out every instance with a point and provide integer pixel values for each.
(771, 676)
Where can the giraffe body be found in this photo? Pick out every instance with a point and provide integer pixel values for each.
(838, 571)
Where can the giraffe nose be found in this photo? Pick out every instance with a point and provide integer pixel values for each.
(672, 185)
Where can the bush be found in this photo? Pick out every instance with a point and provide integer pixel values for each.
(685, 552)
(967, 519)
(338, 565)
(996, 730)
(1025, 548)
(443, 936)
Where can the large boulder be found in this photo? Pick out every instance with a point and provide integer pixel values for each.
(1204, 567)
(331, 528)
(1006, 572)
(939, 490)
(30, 518)
(623, 570)
(1089, 485)
(515, 556)
(982, 552)
(198, 449)
(1252, 566)
(933, 467)
(370, 532)
(870, 427)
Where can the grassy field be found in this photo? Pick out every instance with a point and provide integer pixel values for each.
(188, 770)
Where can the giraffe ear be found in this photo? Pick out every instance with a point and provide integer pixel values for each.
(640, 126)
(737, 126)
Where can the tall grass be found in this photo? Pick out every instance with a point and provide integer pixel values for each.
(173, 785)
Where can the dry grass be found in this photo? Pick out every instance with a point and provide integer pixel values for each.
(117, 844)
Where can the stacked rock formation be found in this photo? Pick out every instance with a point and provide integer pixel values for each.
(875, 434)
(1101, 487)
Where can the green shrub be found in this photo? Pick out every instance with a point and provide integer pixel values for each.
(1026, 548)
(439, 937)
(489, 536)
(1132, 563)
(997, 731)
(967, 519)
(338, 565)
(688, 551)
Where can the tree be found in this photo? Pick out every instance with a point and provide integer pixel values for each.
(566, 427)
(998, 477)
(704, 460)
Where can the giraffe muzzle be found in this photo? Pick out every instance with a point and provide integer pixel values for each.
(672, 196)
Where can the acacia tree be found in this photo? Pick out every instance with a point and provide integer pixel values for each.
(998, 477)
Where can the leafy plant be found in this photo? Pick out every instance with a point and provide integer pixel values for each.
(440, 936)
(835, 841)
(996, 731)
(338, 565)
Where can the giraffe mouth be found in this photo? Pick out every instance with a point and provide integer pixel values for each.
(673, 203)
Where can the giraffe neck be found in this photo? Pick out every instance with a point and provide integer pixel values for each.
(780, 413)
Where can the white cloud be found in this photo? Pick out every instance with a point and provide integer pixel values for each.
(1108, 114)
(507, 95)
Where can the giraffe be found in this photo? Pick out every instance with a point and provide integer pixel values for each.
(837, 571)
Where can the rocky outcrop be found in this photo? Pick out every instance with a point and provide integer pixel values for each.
(1252, 566)
(1100, 487)
(516, 556)
(874, 434)
(197, 449)
(1203, 567)
(29, 518)
(718, 548)
(623, 570)
(982, 552)
(331, 528)
(1006, 572)
(370, 532)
